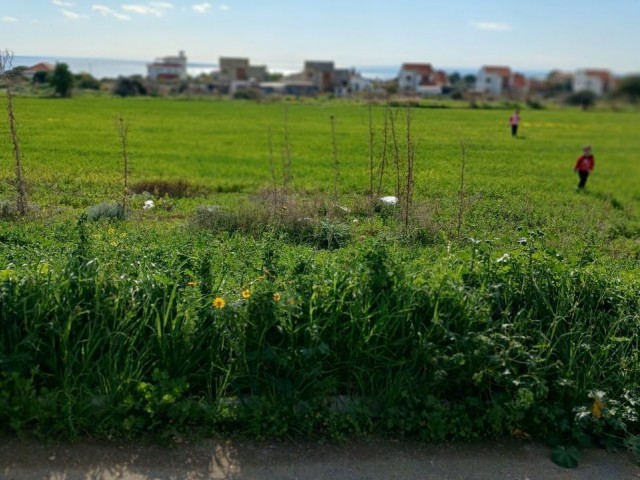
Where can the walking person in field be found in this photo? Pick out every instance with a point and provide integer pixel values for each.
(514, 121)
(584, 166)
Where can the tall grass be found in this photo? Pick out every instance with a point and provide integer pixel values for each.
(473, 343)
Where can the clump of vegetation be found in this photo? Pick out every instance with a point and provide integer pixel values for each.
(106, 210)
(173, 188)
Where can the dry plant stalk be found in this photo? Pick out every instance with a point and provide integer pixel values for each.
(385, 142)
(272, 169)
(336, 165)
(396, 149)
(6, 61)
(409, 180)
(461, 190)
(371, 137)
(123, 132)
(286, 154)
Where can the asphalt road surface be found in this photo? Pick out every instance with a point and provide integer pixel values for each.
(371, 460)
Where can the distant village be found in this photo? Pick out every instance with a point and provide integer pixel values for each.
(239, 78)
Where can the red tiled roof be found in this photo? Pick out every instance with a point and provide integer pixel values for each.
(519, 80)
(423, 69)
(40, 67)
(440, 78)
(604, 75)
(502, 71)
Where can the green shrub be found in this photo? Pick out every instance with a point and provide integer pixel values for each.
(106, 210)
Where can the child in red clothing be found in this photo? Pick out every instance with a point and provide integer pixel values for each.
(584, 166)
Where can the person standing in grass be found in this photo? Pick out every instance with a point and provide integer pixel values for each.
(514, 121)
(584, 166)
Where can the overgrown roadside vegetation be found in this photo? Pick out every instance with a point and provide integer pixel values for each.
(268, 292)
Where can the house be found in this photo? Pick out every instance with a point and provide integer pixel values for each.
(168, 69)
(421, 78)
(598, 81)
(237, 73)
(357, 84)
(501, 81)
(30, 72)
(320, 73)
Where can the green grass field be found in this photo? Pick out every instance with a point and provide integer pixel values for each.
(501, 300)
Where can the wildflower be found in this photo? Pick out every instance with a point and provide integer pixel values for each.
(148, 205)
(192, 284)
(246, 293)
(292, 301)
(596, 408)
(218, 303)
(276, 297)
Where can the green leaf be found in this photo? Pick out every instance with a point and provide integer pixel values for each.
(567, 457)
(633, 442)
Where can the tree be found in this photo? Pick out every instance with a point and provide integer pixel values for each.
(629, 87)
(62, 80)
(129, 87)
(87, 82)
(585, 98)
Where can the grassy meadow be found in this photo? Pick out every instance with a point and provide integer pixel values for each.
(271, 295)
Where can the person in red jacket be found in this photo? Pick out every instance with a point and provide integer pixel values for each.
(584, 166)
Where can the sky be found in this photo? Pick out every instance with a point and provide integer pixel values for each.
(523, 34)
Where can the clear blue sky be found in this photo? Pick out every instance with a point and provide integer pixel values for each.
(524, 34)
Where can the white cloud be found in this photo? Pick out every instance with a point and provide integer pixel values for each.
(69, 15)
(60, 3)
(225, 7)
(202, 7)
(9, 19)
(143, 10)
(492, 26)
(108, 12)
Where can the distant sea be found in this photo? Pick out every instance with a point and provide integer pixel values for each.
(113, 68)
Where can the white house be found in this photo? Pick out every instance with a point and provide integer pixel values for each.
(421, 78)
(500, 81)
(357, 83)
(170, 68)
(600, 82)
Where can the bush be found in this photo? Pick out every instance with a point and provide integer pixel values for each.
(106, 210)
(86, 82)
(129, 87)
(585, 99)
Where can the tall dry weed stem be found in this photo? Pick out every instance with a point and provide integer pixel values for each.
(6, 61)
(463, 164)
(123, 132)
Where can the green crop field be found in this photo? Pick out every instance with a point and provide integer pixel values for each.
(268, 293)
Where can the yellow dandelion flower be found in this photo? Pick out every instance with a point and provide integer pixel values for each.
(292, 301)
(192, 284)
(596, 408)
(218, 303)
(246, 293)
(276, 297)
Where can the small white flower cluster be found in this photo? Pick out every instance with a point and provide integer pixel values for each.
(148, 205)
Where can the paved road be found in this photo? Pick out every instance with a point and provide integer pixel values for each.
(373, 460)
